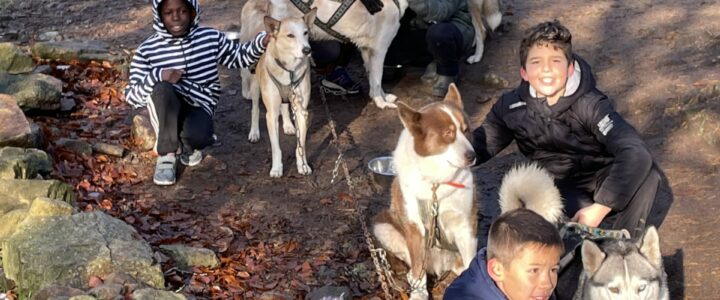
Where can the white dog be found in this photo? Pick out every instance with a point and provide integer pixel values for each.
(283, 74)
(479, 9)
(432, 159)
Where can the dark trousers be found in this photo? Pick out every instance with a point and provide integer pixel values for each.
(634, 217)
(331, 54)
(177, 123)
(441, 42)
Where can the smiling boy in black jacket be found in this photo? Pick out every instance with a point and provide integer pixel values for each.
(558, 118)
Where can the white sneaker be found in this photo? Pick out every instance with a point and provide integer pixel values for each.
(165, 170)
(191, 160)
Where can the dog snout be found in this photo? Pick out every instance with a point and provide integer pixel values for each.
(306, 50)
(470, 157)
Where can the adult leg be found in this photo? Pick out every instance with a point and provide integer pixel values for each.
(445, 43)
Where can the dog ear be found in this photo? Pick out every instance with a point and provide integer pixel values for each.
(410, 118)
(272, 26)
(309, 17)
(650, 247)
(453, 96)
(592, 256)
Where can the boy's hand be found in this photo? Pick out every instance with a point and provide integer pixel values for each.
(172, 75)
(266, 40)
(372, 6)
(591, 215)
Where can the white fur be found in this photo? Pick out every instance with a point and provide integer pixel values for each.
(490, 10)
(531, 187)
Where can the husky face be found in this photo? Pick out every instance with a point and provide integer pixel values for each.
(624, 270)
(440, 136)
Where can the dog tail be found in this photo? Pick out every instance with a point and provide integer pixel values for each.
(532, 187)
(491, 11)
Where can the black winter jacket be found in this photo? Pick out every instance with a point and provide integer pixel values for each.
(574, 139)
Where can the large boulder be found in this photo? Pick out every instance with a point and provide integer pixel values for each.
(20, 163)
(68, 250)
(13, 212)
(75, 50)
(13, 60)
(15, 130)
(143, 133)
(33, 91)
(27, 190)
(187, 257)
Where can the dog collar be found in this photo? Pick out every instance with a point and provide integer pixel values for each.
(455, 184)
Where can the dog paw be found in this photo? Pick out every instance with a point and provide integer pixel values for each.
(254, 136)
(419, 295)
(304, 169)
(289, 129)
(475, 58)
(276, 172)
(382, 104)
(390, 98)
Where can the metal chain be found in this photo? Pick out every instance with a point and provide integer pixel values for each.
(377, 254)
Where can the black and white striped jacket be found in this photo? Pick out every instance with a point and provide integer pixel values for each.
(198, 54)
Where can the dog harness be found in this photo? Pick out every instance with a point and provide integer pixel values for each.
(305, 7)
(286, 89)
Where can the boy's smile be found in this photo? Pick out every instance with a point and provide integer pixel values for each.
(547, 70)
(530, 275)
(176, 15)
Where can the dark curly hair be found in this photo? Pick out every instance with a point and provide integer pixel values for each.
(547, 33)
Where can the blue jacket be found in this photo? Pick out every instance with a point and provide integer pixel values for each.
(474, 283)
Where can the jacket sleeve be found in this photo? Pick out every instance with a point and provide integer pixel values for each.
(493, 135)
(240, 55)
(143, 78)
(631, 159)
(435, 10)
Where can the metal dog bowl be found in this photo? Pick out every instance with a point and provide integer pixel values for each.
(383, 171)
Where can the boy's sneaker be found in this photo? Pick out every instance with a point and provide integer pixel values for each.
(191, 159)
(165, 170)
(339, 83)
(440, 88)
(430, 75)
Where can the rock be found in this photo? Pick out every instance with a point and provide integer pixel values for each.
(50, 36)
(13, 60)
(46, 207)
(68, 250)
(330, 293)
(82, 297)
(83, 51)
(76, 146)
(11, 220)
(33, 91)
(143, 133)
(28, 190)
(494, 81)
(15, 130)
(187, 257)
(109, 149)
(55, 292)
(20, 163)
(43, 69)
(67, 104)
(5, 284)
(152, 294)
(36, 137)
(107, 291)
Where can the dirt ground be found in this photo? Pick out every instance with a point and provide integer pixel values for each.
(647, 55)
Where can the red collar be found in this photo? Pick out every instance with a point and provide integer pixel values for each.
(455, 184)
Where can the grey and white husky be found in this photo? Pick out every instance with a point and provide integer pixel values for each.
(622, 269)
(611, 268)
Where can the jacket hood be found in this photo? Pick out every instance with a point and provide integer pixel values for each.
(158, 25)
(578, 84)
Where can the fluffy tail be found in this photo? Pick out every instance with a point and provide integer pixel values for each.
(491, 11)
(530, 186)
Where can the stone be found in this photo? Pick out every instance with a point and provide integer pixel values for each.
(107, 291)
(69, 250)
(55, 292)
(143, 133)
(109, 149)
(15, 129)
(330, 293)
(186, 257)
(43, 69)
(33, 91)
(13, 60)
(20, 163)
(11, 220)
(82, 51)
(46, 207)
(79, 147)
(50, 36)
(28, 190)
(67, 104)
(153, 294)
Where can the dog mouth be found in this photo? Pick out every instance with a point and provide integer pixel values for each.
(460, 166)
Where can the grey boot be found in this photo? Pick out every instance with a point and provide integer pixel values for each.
(430, 75)
(440, 87)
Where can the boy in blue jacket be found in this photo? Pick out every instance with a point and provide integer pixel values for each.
(521, 261)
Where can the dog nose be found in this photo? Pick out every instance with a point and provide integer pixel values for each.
(470, 157)
(306, 50)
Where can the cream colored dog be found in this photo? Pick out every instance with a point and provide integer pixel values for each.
(479, 9)
(283, 74)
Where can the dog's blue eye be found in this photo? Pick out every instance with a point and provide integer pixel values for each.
(291, 35)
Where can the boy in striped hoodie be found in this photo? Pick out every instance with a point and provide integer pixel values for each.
(174, 73)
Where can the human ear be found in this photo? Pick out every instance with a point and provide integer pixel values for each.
(496, 270)
(523, 74)
(571, 68)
